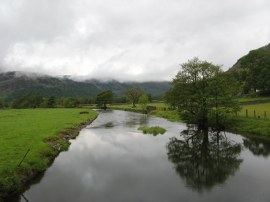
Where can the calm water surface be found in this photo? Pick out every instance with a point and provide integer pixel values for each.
(112, 161)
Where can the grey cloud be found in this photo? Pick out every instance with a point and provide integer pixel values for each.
(127, 40)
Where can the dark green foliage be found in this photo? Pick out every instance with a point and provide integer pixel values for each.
(104, 98)
(204, 159)
(150, 97)
(2, 104)
(70, 102)
(28, 101)
(16, 84)
(51, 102)
(120, 100)
(203, 94)
(253, 70)
(143, 101)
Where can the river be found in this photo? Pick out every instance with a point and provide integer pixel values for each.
(111, 160)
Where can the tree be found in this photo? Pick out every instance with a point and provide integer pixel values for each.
(104, 98)
(203, 94)
(28, 101)
(70, 102)
(2, 104)
(133, 94)
(143, 101)
(51, 102)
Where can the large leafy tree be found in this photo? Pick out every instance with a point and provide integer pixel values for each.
(104, 98)
(203, 94)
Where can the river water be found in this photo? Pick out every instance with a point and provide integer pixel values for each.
(111, 160)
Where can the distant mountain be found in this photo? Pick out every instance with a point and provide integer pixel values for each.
(13, 84)
(253, 70)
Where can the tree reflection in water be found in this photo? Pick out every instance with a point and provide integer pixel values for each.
(204, 159)
(257, 146)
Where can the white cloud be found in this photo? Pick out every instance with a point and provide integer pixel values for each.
(127, 39)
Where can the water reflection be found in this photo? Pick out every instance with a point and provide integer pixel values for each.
(119, 163)
(111, 118)
(204, 159)
(258, 147)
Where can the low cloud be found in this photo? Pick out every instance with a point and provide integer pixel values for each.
(127, 40)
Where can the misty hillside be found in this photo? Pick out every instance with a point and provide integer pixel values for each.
(13, 84)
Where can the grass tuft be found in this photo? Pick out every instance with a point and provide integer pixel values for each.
(155, 130)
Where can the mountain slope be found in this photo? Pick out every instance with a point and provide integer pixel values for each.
(253, 69)
(13, 84)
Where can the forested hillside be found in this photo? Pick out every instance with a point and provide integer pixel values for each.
(253, 70)
(14, 84)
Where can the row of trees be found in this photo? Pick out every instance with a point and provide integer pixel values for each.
(38, 101)
(102, 99)
(134, 95)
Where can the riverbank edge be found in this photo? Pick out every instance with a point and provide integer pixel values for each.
(238, 128)
(64, 136)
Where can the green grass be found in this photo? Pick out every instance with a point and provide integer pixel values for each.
(251, 126)
(155, 130)
(259, 109)
(251, 99)
(25, 129)
(170, 115)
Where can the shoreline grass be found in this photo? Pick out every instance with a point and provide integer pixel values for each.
(44, 132)
(241, 124)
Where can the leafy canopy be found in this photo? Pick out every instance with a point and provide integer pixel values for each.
(203, 93)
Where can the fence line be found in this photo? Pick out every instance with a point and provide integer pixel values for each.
(255, 114)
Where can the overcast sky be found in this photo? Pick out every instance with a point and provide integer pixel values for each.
(127, 39)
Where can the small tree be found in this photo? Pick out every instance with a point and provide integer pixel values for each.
(143, 101)
(2, 104)
(51, 102)
(133, 95)
(104, 98)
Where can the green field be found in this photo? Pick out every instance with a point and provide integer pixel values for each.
(251, 99)
(259, 110)
(25, 129)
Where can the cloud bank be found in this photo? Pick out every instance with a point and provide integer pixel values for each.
(138, 40)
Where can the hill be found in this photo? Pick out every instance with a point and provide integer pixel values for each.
(253, 70)
(13, 84)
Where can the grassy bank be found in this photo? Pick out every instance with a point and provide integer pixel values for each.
(243, 125)
(42, 132)
(253, 124)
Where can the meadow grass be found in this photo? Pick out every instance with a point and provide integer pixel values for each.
(31, 129)
(259, 110)
(171, 115)
(251, 126)
(250, 99)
